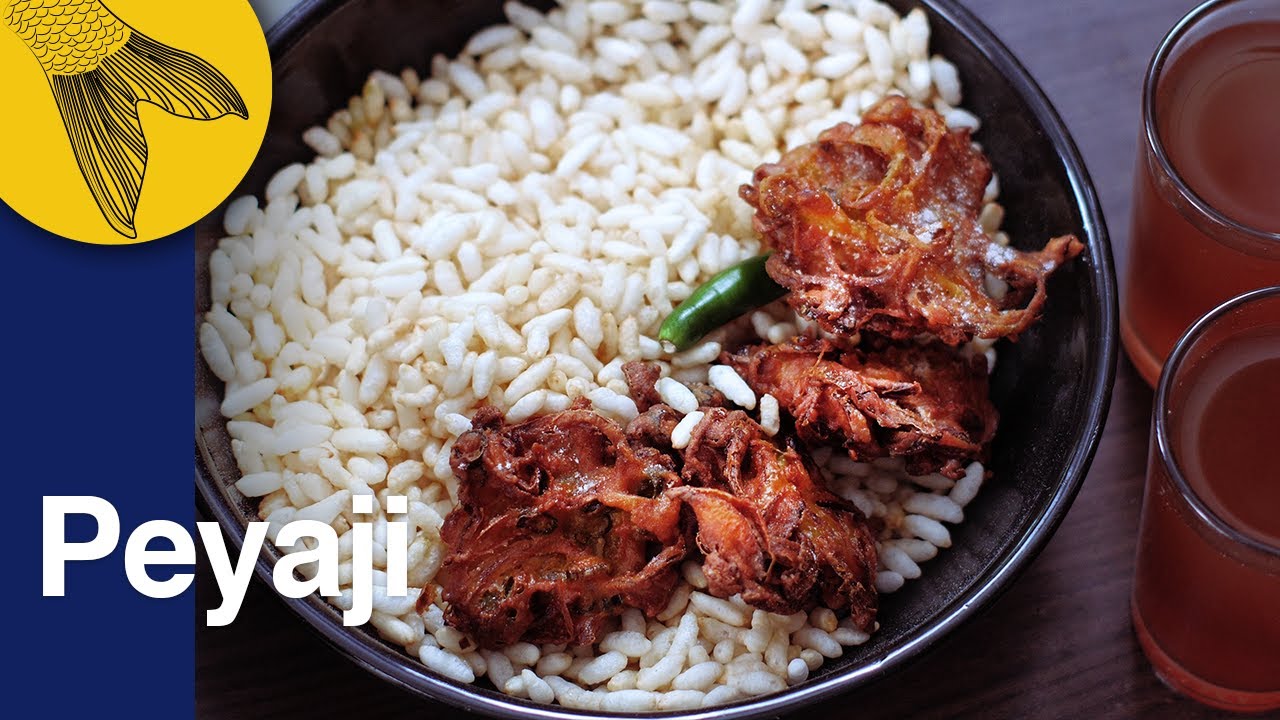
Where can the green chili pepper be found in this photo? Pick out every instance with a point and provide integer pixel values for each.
(729, 294)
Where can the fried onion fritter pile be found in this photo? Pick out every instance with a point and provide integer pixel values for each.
(564, 520)
(875, 227)
(926, 403)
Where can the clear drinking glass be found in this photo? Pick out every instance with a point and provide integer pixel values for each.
(1206, 213)
(1206, 595)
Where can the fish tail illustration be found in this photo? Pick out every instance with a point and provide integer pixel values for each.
(100, 111)
(99, 69)
(181, 83)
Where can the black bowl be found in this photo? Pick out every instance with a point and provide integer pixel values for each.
(1052, 387)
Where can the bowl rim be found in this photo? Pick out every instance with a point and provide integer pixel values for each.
(369, 652)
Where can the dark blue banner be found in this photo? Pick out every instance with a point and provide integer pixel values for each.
(97, 374)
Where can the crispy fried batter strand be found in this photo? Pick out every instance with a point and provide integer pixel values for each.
(926, 403)
(556, 529)
(564, 520)
(876, 227)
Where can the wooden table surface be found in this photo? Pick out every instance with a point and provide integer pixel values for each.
(1058, 644)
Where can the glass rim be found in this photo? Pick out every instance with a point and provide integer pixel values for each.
(1161, 430)
(1151, 131)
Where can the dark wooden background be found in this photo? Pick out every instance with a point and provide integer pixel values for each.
(1056, 645)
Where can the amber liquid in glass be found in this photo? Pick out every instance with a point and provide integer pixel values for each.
(1210, 623)
(1218, 109)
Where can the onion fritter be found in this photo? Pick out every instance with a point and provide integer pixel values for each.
(557, 529)
(926, 403)
(767, 526)
(875, 227)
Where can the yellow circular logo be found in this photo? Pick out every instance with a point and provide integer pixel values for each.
(128, 120)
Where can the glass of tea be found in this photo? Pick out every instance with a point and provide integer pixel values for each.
(1206, 212)
(1206, 593)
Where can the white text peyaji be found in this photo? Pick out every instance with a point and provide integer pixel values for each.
(309, 565)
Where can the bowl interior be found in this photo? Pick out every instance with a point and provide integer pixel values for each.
(1052, 387)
